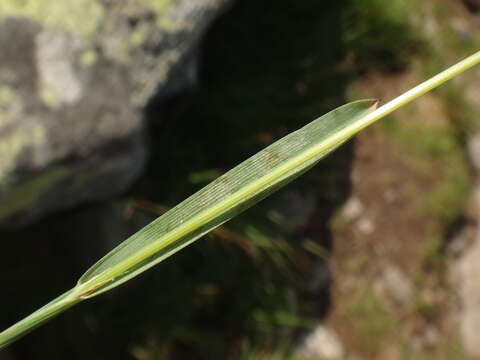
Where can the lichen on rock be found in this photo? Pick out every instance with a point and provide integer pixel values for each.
(73, 87)
(6, 96)
(59, 81)
(160, 8)
(77, 17)
(12, 146)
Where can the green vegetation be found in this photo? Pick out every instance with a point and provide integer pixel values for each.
(379, 35)
(432, 256)
(425, 308)
(450, 349)
(372, 322)
(435, 149)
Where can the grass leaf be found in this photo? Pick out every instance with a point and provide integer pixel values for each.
(228, 195)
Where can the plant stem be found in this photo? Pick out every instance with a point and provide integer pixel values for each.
(420, 90)
(40, 316)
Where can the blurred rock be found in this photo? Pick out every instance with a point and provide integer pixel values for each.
(473, 148)
(365, 225)
(322, 343)
(468, 275)
(353, 209)
(431, 337)
(396, 285)
(75, 78)
(457, 244)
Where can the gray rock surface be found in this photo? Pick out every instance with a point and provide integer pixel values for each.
(75, 77)
(473, 151)
(469, 293)
(394, 284)
(322, 343)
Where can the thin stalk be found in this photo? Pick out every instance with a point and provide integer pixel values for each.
(420, 90)
(53, 308)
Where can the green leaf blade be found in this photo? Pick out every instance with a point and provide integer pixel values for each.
(230, 194)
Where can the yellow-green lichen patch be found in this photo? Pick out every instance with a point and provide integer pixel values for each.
(6, 96)
(88, 58)
(49, 97)
(137, 38)
(75, 16)
(26, 194)
(160, 7)
(12, 145)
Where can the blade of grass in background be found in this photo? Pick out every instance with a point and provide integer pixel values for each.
(230, 194)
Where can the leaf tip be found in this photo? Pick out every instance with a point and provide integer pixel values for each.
(375, 103)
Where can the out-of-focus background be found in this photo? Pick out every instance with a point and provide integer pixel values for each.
(113, 111)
